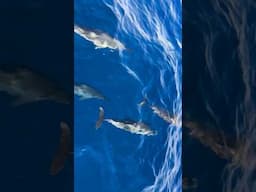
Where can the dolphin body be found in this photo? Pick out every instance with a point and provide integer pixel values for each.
(130, 126)
(99, 39)
(86, 92)
(63, 150)
(133, 127)
(101, 118)
(29, 87)
(163, 114)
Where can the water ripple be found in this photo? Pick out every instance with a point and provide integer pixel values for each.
(157, 31)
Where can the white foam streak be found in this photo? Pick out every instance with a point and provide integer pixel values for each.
(132, 73)
(151, 23)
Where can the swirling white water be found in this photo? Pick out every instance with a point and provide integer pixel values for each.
(155, 28)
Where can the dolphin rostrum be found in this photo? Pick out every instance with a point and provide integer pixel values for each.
(85, 92)
(130, 126)
(29, 86)
(99, 39)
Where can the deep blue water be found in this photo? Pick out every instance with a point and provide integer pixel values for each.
(219, 88)
(110, 159)
(30, 133)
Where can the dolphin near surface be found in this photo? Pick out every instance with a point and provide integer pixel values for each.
(28, 86)
(133, 127)
(99, 39)
(84, 91)
(129, 126)
(161, 113)
(101, 118)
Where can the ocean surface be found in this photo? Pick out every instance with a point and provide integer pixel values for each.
(110, 159)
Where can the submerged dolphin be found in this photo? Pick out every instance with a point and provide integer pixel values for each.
(86, 92)
(163, 114)
(63, 150)
(130, 126)
(223, 146)
(99, 39)
(29, 86)
(101, 118)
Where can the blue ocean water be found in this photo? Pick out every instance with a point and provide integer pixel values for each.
(109, 159)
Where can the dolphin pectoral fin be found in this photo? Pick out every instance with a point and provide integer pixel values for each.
(20, 101)
(101, 118)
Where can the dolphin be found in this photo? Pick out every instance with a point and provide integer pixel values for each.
(86, 92)
(28, 86)
(133, 127)
(163, 114)
(99, 39)
(223, 146)
(130, 126)
(63, 150)
(101, 118)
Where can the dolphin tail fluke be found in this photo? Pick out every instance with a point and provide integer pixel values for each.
(101, 118)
